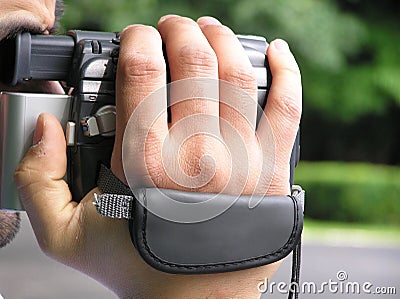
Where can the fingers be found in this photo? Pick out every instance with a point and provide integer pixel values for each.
(37, 16)
(39, 179)
(190, 56)
(238, 99)
(283, 109)
(141, 72)
(205, 50)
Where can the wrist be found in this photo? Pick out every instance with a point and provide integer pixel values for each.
(238, 284)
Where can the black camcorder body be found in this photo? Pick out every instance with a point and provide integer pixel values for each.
(87, 62)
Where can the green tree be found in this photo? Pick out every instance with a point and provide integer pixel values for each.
(348, 57)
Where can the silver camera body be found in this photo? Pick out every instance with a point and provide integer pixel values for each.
(18, 116)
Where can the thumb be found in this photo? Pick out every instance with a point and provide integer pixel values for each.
(39, 178)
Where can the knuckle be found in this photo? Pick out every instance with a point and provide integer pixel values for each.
(28, 171)
(291, 70)
(19, 176)
(197, 58)
(24, 174)
(201, 152)
(137, 61)
(141, 67)
(290, 106)
(241, 76)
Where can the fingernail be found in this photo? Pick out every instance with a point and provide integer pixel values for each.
(203, 21)
(166, 17)
(281, 45)
(38, 134)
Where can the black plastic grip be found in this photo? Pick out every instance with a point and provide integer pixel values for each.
(84, 164)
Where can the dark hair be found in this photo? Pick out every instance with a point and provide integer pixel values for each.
(9, 226)
(58, 13)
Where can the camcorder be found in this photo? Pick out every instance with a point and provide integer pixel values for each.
(85, 61)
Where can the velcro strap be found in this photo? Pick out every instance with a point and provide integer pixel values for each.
(114, 205)
(117, 200)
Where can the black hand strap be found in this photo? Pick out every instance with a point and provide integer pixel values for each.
(171, 247)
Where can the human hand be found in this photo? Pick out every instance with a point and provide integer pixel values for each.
(77, 236)
(39, 17)
(164, 155)
(34, 15)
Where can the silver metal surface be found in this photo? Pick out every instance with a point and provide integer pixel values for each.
(70, 133)
(18, 116)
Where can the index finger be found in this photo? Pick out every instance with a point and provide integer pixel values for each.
(141, 71)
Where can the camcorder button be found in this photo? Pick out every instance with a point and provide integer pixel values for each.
(70, 133)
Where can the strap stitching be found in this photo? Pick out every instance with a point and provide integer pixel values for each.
(287, 245)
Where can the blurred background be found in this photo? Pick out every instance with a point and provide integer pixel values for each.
(349, 56)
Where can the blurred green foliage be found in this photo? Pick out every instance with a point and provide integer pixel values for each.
(349, 60)
(349, 55)
(352, 192)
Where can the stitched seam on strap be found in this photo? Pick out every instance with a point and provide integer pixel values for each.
(288, 244)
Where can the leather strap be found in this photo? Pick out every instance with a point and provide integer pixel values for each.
(174, 247)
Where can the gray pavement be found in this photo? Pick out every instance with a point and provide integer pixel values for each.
(27, 273)
(347, 268)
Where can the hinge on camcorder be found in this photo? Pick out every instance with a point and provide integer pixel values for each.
(101, 123)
